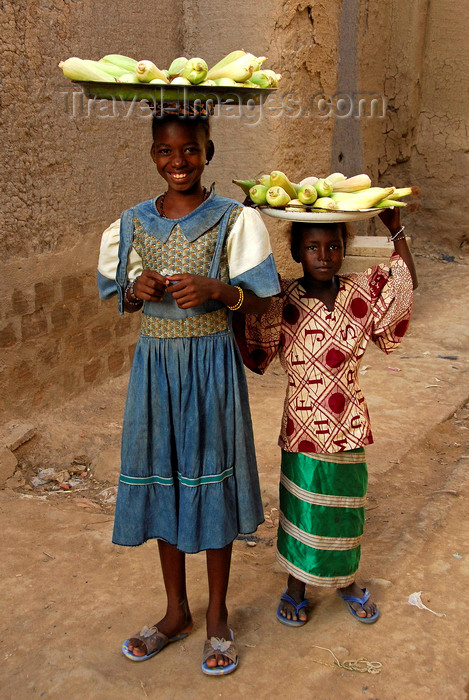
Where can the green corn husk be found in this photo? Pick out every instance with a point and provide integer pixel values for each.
(225, 82)
(176, 67)
(258, 61)
(323, 187)
(338, 197)
(195, 70)
(325, 203)
(128, 78)
(245, 185)
(208, 83)
(277, 197)
(229, 58)
(180, 81)
(261, 79)
(129, 64)
(258, 194)
(307, 194)
(111, 68)
(275, 77)
(405, 192)
(146, 71)
(390, 203)
(157, 81)
(265, 180)
(308, 180)
(77, 69)
(295, 205)
(335, 177)
(239, 70)
(279, 179)
(365, 200)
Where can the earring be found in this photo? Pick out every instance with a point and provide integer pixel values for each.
(207, 162)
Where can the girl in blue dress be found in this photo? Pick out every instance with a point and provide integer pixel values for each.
(187, 259)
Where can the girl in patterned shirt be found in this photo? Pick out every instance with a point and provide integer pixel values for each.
(320, 326)
(187, 259)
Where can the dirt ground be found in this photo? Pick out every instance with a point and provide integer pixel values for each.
(70, 597)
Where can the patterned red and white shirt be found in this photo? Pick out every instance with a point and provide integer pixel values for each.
(321, 351)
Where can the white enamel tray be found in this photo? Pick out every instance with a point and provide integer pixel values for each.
(321, 216)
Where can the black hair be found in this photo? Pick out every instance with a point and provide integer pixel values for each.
(196, 121)
(298, 228)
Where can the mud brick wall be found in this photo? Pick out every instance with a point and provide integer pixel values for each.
(66, 172)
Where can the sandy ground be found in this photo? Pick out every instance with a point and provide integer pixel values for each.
(70, 597)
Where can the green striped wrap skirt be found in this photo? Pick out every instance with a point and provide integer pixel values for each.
(322, 515)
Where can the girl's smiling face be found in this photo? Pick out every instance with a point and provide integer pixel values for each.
(320, 252)
(180, 151)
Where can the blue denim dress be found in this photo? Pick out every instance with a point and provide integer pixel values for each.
(188, 467)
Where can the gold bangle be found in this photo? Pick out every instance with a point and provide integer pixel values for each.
(239, 303)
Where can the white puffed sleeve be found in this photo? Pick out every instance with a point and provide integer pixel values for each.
(250, 259)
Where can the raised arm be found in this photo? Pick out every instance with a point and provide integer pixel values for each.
(391, 218)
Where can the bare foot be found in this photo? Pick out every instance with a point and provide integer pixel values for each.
(368, 610)
(296, 590)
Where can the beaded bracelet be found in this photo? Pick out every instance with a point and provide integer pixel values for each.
(394, 237)
(239, 303)
(130, 296)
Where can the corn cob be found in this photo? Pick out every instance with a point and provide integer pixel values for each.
(353, 184)
(146, 71)
(195, 70)
(325, 203)
(229, 58)
(323, 187)
(307, 194)
(405, 192)
(363, 200)
(245, 184)
(390, 203)
(338, 197)
(156, 81)
(295, 205)
(258, 194)
(239, 70)
(176, 67)
(279, 179)
(309, 181)
(180, 81)
(110, 68)
(225, 82)
(116, 59)
(277, 197)
(335, 177)
(128, 78)
(275, 77)
(257, 61)
(261, 79)
(76, 69)
(208, 83)
(265, 180)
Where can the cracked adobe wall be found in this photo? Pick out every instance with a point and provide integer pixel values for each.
(415, 53)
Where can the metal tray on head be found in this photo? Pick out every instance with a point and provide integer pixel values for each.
(133, 92)
(321, 216)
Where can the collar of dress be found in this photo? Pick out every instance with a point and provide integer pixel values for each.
(204, 217)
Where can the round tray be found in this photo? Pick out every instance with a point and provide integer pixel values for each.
(134, 92)
(321, 216)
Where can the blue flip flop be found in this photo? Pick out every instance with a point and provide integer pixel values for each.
(153, 639)
(228, 648)
(298, 606)
(361, 601)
